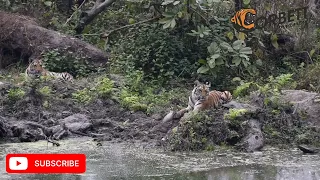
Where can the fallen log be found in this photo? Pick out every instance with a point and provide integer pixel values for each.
(24, 35)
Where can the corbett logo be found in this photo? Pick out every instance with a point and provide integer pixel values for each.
(245, 20)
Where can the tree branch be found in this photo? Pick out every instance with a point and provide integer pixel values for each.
(74, 12)
(88, 16)
(106, 35)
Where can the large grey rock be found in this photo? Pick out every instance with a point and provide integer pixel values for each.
(77, 122)
(254, 140)
(304, 101)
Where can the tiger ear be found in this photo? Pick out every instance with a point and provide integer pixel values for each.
(208, 84)
(196, 83)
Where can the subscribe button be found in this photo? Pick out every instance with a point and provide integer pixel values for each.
(46, 163)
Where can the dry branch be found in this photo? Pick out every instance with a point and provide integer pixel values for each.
(24, 35)
(88, 16)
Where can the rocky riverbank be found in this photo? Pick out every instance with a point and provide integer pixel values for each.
(48, 110)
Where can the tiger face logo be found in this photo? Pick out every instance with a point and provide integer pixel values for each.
(244, 20)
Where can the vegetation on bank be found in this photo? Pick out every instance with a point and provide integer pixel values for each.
(156, 62)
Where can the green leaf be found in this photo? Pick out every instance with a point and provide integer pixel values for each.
(246, 2)
(312, 52)
(246, 50)
(86, 30)
(261, 44)
(212, 63)
(245, 63)
(236, 79)
(275, 44)
(202, 61)
(168, 24)
(168, 14)
(236, 60)
(167, 2)
(237, 44)
(164, 20)
(203, 69)
(213, 48)
(229, 35)
(226, 46)
(173, 23)
(219, 61)
(241, 36)
(274, 41)
(274, 37)
(176, 2)
(244, 56)
(215, 56)
(259, 62)
(48, 3)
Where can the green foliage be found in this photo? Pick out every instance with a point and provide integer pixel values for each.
(15, 94)
(132, 102)
(272, 87)
(156, 52)
(309, 77)
(45, 90)
(234, 113)
(104, 87)
(54, 61)
(219, 55)
(147, 97)
(82, 96)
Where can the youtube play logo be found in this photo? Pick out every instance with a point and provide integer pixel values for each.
(46, 163)
(18, 163)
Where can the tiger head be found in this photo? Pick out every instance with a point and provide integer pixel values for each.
(226, 96)
(201, 91)
(35, 67)
(244, 19)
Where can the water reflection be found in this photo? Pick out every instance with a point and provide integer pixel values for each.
(115, 161)
(248, 172)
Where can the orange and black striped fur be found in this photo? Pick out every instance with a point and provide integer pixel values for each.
(202, 98)
(36, 69)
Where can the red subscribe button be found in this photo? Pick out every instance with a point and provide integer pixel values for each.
(46, 163)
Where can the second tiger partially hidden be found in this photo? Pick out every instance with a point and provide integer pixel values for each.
(36, 69)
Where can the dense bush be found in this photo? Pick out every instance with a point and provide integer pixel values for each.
(155, 51)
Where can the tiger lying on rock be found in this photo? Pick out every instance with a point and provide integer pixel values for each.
(202, 98)
(35, 70)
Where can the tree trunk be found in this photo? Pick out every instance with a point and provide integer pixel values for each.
(22, 34)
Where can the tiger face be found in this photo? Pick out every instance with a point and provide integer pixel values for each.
(201, 91)
(35, 67)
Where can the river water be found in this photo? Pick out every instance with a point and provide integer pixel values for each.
(121, 161)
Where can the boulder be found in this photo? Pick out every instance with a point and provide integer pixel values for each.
(304, 102)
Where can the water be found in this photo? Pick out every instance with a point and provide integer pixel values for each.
(120, 161)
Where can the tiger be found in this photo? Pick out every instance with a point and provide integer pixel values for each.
(36, 69)
(244, 19)
(202, 98)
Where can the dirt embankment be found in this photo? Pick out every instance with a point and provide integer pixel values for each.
(35, 116)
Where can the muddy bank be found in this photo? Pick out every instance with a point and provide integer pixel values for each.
(28, 115)
(49, 110)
